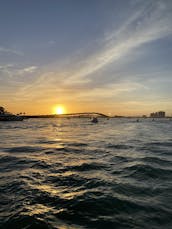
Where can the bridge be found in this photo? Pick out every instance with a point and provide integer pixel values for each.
(72, 115)
(85, 114)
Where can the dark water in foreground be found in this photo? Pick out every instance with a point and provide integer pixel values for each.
(69, 173)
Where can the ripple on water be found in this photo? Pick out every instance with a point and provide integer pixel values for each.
(24, 149)
(120, 146)
(142, 172)
(87, 167)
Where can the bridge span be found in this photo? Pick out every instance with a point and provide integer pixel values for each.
(72, 115)
(83, 114)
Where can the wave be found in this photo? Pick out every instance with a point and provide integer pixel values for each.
(142, 172)
(87, 167)
(26, 221)
(119, 146)
(157, 161)
(24, 149)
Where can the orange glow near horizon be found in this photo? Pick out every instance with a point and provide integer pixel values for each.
(59, 109)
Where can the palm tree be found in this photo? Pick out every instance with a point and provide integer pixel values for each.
(2, 110)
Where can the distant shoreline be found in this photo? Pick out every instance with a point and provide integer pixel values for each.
(76, 115)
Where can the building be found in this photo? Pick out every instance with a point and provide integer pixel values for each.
(159, 114)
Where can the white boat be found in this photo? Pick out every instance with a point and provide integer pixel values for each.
(6, 116)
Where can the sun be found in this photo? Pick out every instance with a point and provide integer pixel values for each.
(59, 110)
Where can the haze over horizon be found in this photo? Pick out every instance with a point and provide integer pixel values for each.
(107, 56)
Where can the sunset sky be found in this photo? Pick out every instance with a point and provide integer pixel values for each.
(110, 56)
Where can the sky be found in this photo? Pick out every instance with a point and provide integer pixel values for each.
(109, 56)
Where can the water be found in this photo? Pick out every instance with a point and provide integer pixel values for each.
(69, 173)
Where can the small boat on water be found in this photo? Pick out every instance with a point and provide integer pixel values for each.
(94, 120)
(6, 116)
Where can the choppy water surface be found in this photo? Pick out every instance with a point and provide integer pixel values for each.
(69, 173)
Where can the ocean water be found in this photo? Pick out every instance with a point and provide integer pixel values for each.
(70, 173)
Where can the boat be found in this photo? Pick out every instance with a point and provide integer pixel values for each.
(7, 116)
(94, 120)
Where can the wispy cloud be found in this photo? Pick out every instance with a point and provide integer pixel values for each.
(13, 71)
(12, 51)
(147, 22)
(111, 90)
(29, 69)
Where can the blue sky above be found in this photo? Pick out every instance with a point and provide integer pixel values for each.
(99, 55)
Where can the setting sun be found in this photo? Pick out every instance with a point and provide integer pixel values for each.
(59, 110)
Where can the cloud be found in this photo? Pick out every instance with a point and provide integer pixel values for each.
(12, 72)
(6, 66)
(149, 23)
(111, 91)
(146, 22)
(13, 51)
(29, 69)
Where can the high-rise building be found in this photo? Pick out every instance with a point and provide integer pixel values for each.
(159, 114)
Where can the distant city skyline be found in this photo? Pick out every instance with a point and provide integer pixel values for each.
(107, 56)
